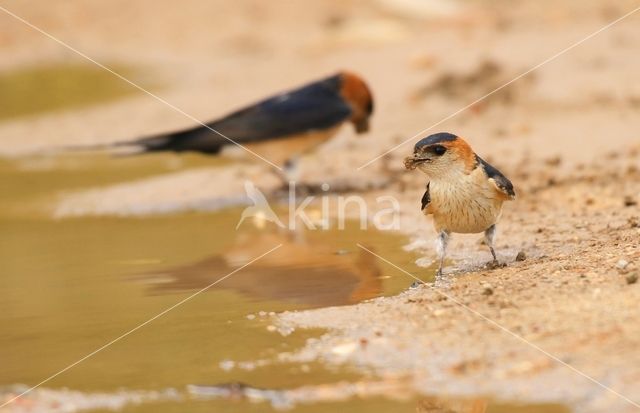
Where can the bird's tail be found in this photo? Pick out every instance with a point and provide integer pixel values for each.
(173, 142)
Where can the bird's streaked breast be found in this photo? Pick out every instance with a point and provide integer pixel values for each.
(464, 204)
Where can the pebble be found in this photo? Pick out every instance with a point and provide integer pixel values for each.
(415, 284)
(632, 278)
(521, 256)
(344, 349)
(487, 289)
(285, 331)
(227, 365)
(251, 316)
(622, 264)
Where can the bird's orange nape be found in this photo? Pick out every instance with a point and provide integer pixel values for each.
(355, 91)
(464, 151)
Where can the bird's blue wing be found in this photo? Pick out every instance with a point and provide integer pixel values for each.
(426, 198)
(313, 107)
(503, 184)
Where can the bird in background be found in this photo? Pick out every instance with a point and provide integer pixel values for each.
(279, 128)
(464, 193)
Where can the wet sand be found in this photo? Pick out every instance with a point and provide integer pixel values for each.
(507, 332)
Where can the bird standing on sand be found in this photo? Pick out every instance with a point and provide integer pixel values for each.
(279, 128)
(464, 193)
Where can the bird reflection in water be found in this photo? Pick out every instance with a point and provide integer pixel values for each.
(311, 273)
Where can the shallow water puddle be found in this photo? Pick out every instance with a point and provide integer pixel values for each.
(55, 86)
(70, 286)
(32, 186)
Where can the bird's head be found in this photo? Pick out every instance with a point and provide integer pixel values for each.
(441, 155)
(357, 94)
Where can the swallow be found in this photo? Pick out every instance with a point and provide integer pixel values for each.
(281, 127)
(464, 193)
(300, 271)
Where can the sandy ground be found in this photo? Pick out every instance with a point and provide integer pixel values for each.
(508, 332)
(566, 134)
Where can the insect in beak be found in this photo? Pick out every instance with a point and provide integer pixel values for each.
(411, 162)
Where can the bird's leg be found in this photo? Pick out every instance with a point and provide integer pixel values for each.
(291, 170)
(287, 174)
(489, 235)
(441, 248)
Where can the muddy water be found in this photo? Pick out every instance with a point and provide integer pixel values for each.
(70, 286)
(37, 89)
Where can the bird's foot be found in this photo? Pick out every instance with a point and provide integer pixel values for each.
(308, 189)
(492, 265)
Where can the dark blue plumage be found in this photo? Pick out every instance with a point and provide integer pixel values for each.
(316, 106)
(434, 139)
(502, 182)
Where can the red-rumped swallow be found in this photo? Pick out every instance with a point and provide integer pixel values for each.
(280, 127)
(464, 193)
(299, 271)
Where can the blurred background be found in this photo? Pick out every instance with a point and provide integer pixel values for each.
(92, 245)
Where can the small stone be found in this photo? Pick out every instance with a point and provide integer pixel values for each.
(632, 278)
(521, 256)
(488, 290)
(251, 316)
(415, 284)
(271, 328)
(227, 365)
(285, 331)
(622, 264)
(344, 349)
(630, 201)
(247, 365)
(492, 265)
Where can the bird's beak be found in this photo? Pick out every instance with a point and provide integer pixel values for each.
(361, 125)
(411, 162)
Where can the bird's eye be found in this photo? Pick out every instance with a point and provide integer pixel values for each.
(439, 150)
